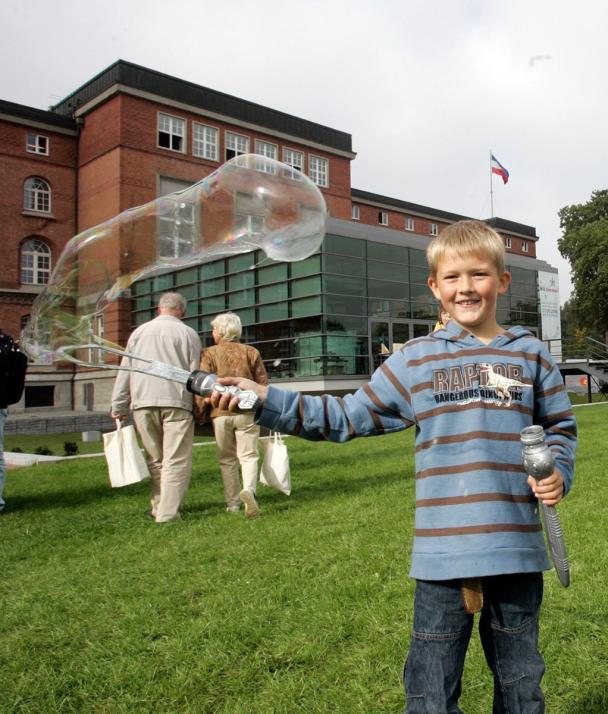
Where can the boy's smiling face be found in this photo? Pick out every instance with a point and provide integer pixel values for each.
(468, 286)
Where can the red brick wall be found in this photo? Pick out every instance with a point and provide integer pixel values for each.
(100, 131)
(16, 225)
(12, 308)
(99, 189)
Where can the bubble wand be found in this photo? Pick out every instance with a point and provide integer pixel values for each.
(197, 382)
(539, 463)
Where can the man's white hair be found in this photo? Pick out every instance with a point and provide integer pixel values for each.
(172, 301)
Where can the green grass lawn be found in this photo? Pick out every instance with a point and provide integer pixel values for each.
(577, 398)
(307, 609)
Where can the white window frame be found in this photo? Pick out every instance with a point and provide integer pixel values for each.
(37, 195)
(205, 141)
(383, 218)
(355, 212)
(434, 229)
(318, 170)
(507, 242)
(37, 144)
(98, 330)
(250, 214)
(293, 158)
(236, 143)
(35, 262)
(525, 246)
(410, 224)
(267, 149)
(171, 126)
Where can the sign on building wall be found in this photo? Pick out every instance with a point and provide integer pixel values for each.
(548, 296)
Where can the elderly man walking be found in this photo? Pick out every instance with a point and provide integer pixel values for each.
(162, 409)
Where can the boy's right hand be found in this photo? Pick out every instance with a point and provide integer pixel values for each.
(230, 402)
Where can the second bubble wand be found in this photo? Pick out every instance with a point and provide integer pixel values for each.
(539, 463)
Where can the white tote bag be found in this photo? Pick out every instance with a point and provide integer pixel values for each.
(275, 468)
(126, 463)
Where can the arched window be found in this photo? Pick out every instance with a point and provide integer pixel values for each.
(36, 195)
(35, 262)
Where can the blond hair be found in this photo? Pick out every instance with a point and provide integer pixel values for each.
(464, 238)
(228, 326)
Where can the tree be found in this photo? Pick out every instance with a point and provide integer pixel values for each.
(568, 320)
(572, 326)
(584, 244)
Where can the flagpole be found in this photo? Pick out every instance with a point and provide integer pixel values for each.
(491, 189)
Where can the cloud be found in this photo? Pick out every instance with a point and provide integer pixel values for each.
(426, 87)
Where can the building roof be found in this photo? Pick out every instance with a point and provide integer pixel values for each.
(36, 116)
(404, 205)
(163, 85)
(500, 224)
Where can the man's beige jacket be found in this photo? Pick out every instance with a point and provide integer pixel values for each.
(166, 339)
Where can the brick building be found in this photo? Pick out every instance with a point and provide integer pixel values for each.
(132, 134)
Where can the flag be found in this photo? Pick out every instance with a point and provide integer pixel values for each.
(498, 168)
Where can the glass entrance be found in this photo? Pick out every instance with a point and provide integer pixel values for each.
(387, 335)
(420, 329)
(379, 342)
(400, 333)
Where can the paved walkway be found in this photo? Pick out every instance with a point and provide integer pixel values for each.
(15, 459)
(57, 422)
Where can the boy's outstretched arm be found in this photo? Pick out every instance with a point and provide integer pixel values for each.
(381, 406)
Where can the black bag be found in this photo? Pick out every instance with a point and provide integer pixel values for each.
(13, 365)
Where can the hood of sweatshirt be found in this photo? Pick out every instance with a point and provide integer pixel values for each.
(453, 332)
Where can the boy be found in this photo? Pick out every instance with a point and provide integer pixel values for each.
(469, 389)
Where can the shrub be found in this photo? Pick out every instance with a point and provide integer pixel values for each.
(70, 448)
(43, 451)
(17, 450)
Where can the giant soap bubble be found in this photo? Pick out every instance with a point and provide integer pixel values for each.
(250, 202)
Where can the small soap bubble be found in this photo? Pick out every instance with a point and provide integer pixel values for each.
(251, 202)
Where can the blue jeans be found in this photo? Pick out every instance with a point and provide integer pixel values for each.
(508, 627)
(3, 413)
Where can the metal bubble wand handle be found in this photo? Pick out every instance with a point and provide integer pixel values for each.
(539, 463)
(202, 383)
(197, 382)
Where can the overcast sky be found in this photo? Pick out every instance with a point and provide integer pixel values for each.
(425, 87)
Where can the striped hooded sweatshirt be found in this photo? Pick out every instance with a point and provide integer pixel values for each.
(475, 513)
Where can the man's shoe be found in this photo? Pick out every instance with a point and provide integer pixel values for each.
(176, 519)
(252, 510)
(235, 508)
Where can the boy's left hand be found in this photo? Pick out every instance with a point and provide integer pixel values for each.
(549, 490)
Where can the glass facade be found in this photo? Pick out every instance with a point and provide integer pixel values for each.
(334, 313)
